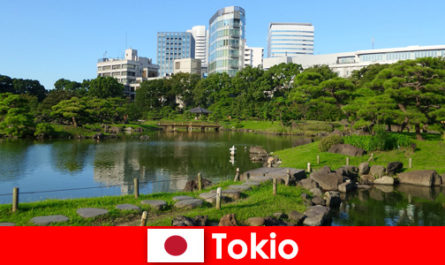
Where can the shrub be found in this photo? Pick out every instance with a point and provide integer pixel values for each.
(381, 141)
(329, 141)
(44, 130)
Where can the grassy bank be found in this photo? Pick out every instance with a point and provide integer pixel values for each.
(429, 154)
(256, 202)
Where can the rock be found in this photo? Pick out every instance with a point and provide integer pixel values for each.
(265, 174)
(201, 220)
(228, 220)
(393, 168)
(421, 178)
(240, 188)
(181, 198)
(192, 185)
(296, 217)
(130, 207)
(316, 192)
(385, 188)
(346, 187)
(280, 215)
(258, 153)
(316, 216)
(367, 180)
(91, 212)
(377, 171)
(98, 136)
(346, 149)
(385, 180)
(232, 194)
(208, 197)
(332, 199)
(271, 221)
(114, 130)
(318, 201)
(326, 179)
(155, 204)
(46, 220)
(189, 204)
(183, 221)
(144, 138)
(308, 184)
(363, 187)
(363, 168)
(7, 224)
(255, 221)
(349, 172)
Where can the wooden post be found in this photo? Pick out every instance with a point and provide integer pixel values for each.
(248, 175)
(274, 185)
(136, 187)
(218, 198)
(347, 161)
(15, 199)
(318, 160)
(410, 163)
(309, 167)
(199, 181)
(288, 175)
(144, 218)
(236, 175)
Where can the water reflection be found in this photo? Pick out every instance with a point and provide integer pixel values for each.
(70, 156)
(12, 156)
(404, 205)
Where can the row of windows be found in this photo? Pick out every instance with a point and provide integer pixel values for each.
(225, 33)
(119, 74)
(291, 46)
(293, 31)
(225, 43)
(224, 54)
(288, 53)
(272, 36)
(116, 66)
(291, 49)
(394, 56)
(293, 40)
(231, 22)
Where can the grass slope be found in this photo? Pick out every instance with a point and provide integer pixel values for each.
(430, 154)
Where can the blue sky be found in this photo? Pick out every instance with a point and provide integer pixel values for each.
(50, 39)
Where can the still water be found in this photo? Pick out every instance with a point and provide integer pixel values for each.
(164, 163)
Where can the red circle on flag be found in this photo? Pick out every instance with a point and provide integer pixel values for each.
(175, 245)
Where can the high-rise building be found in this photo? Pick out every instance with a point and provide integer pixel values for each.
(227, 40)
(171, 46)
(201, 36)
(129, 71)
(253, 56)
(289, 39)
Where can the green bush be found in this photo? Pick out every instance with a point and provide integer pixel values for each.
(381, 141)
(329, 141)
(44, 130)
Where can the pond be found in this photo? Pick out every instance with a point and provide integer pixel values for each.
(84, 168)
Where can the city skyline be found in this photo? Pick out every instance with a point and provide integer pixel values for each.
(49, 40)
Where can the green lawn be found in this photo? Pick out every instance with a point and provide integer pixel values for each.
(299, 127)
(257, 202)
(430, 154)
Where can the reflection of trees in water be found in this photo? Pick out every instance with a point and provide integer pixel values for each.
(70, 156)
(406, 206)
(13, 159)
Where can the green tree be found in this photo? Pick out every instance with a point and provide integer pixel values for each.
(72, 110)
(15, 117)
(29, 87)
(104, 87)
(6, 84)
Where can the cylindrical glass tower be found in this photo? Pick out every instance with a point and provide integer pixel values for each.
(227, 40)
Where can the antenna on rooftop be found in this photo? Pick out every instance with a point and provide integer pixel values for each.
(372, 42)
(105, 55)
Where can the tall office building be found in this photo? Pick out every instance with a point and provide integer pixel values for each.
(227, 40)
(201, 36)
(253, 56)
(171, 46)
(289, 39)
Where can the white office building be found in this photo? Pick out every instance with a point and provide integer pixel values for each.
(253, 56)
(201, 36)
(290, 39)
(129, 71)
(187, 65)
(345, 63)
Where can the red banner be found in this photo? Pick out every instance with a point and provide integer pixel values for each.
(221, 245)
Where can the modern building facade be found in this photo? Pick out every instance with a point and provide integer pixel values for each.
(172, 46)
(253, 56)
(227, 40)
(345, 63)
(187, 65)
(290, 39)
(129, 71)
(201, 37)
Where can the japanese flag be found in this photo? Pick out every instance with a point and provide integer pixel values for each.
(175, 245)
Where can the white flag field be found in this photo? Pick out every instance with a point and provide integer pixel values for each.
(175, 245)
